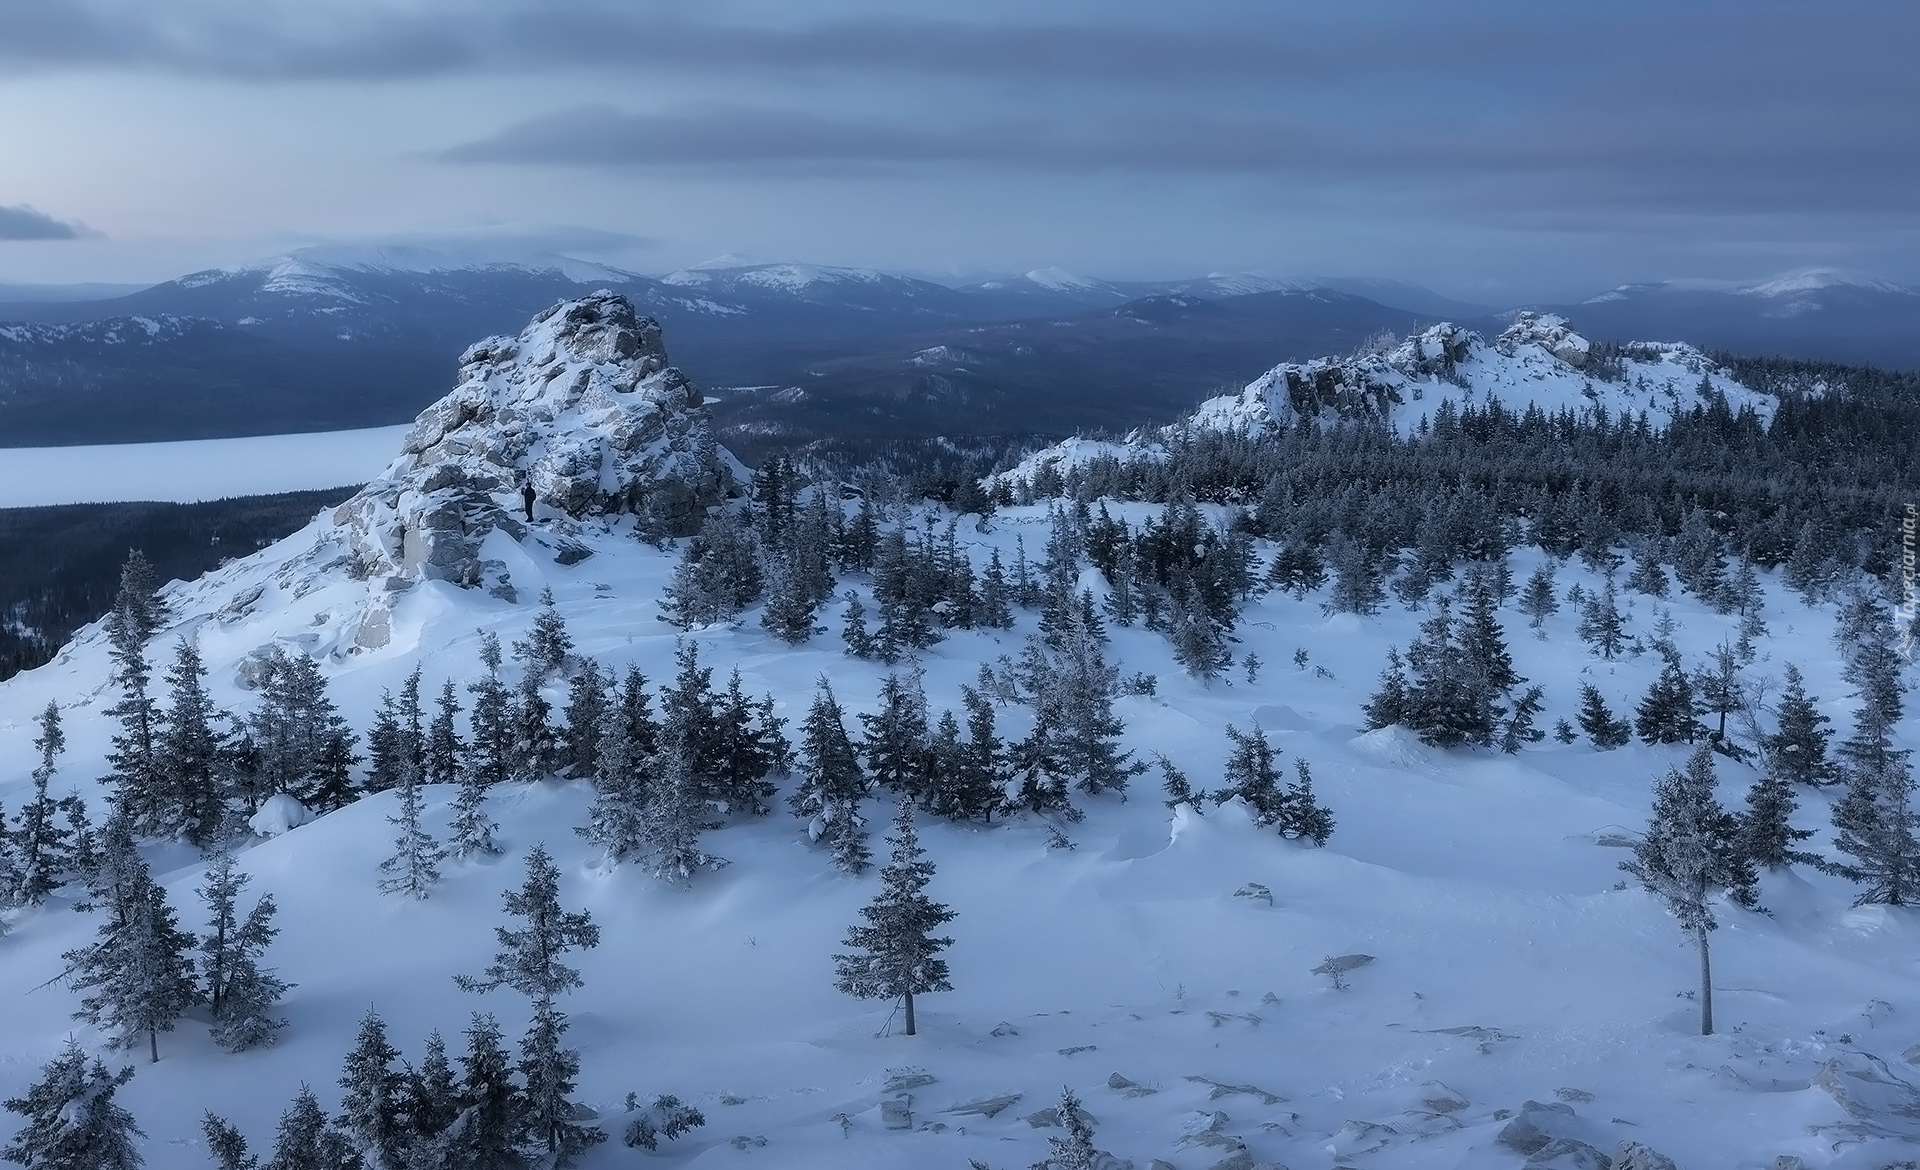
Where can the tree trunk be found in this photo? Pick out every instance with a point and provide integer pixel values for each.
(153, 1046)
(909, 999)
(1706, 987)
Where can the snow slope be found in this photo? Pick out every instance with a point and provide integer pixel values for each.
(1511, 963)
(199, 469)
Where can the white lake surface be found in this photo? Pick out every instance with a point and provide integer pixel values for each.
(193, 470)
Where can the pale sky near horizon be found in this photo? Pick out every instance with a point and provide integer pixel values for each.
(1491, 149)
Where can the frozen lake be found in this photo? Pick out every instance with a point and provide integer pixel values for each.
(198, 469)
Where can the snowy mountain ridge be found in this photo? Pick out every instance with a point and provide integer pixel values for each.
(1539, 360)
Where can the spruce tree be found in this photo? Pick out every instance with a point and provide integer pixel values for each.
(1797, 750)
(676, 812)
(1518, 730)
(791, 601)
(896, 955)
(547, 646)
(530, 962)
(1538, 599)
(1601, 626)
(1253, 776)
(983, 787)
(586, 718)
(1647, 576)
(536, 752)
(854, 631)
(490, 746)
(240, 994)
(226, 1145)
(188, 750)
(1767, 835)
(1690, 852)
(1074, 1151)
(1720, 690)
(140, 594)
(414, 867)
(1875, 820)
(896, 737)
(1599, 723)
(832, 784)
(443, 749)
(306, 1142)
(1297, 569)
(72, 1120)
(1303, 817)
(1392, 702)
(383, 746)
(139, 788)
(484, 1136)
(1667, 713)
(304, 747)
(995, 609)
(373, 1101)
(628, 739)
(138, 974)
(433, 1097)
(40, 842)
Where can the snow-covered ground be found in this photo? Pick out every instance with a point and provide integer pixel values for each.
(193, 470)
(1511, 961)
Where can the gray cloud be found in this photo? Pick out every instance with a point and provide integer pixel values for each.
(1616, 154)
(26, 223)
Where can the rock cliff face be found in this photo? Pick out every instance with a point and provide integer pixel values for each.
(582, 407)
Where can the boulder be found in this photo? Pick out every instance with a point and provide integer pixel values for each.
(1634, 1156)
(1535, 1126)
(1863, 1085)
(1568, 1154)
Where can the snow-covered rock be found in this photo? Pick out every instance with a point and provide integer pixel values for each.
(278, 814)
(582, 406)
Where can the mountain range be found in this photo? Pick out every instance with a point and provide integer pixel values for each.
(335, 337)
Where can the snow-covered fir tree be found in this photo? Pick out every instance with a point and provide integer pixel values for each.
(241, 994)
(537, 750)
(1601, 625)
(895, 737)
(1598, 721)
(41, 844)
(226, 1145)
(305, 747)
(1667, 713)
(547, 648)
(895, 955)
(1074, 1150)
(305, 1141)
(373, 1098)
(530, 962)
(72, 1121)
(137, 978)
(628, 738)
(1538, 599)
(139, 788)
(443, 749)
(187, 752)
(586, 713)
(491, 739)
(1690, 852)
(484, 1135)
(832, 784)
(1874, 819)
(413, 869)
(1797, 749)
(718, 575)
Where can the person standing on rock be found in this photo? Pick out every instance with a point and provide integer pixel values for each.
(526, 498)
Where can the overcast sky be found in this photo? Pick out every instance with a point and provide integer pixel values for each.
(1498, 150)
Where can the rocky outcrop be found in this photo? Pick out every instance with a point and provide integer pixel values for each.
(582, 407)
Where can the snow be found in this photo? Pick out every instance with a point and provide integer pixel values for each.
(192, 470)
(1060, 280)
(1510, 961)
(1508, 964)
(279, 814)
(1816, 279)
(782, 278)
